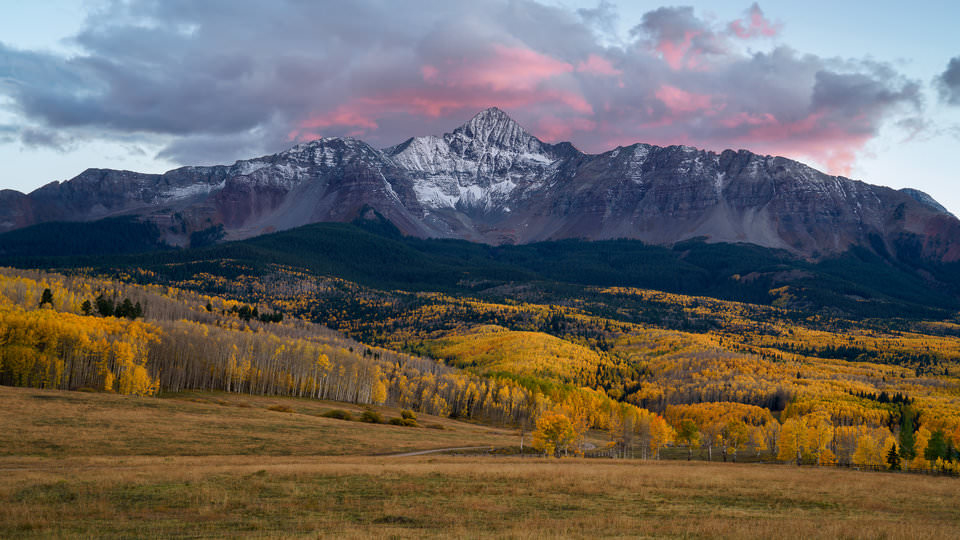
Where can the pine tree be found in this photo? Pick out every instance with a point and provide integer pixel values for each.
(126, 309)
(46, 298)
(893, 458)
(936, 446)
(104, 306)
(907, 434)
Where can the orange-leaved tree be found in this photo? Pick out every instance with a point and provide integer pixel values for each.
(554, 434)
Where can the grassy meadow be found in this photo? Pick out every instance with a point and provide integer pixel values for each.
(78, 464)
(56, 424)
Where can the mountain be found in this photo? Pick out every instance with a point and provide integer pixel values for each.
(491, 181)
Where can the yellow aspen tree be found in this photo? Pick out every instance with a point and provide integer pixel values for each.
(757, 440)
(735, 436)
(378, 393)
(920, 447)
(819, 435)
(792, 438)
(554, 434)
(868, 452)
(137, 382)
(845, 438)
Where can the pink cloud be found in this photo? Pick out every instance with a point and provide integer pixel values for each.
(434, 101)
(597, 65)
(680, 101)
(509, 76)
(831, 144)
(508, 68)
(553, 129)
(343, 116)
(835, 154)
(755, 25)
(579, 101)
(429, 72)
(746, 119)
(674, 53)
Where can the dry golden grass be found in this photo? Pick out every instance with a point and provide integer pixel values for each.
(296, 496)
(55, 423)
(122, 467)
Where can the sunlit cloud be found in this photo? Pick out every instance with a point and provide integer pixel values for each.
(754, 25)
(364, 69)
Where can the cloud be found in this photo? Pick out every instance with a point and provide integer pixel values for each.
(948, 82)
(679, 36)
(181, 74)
(598, 65)
(679, 101)
(8, 134)
(44, 138)
(602, 20)
(754, 25)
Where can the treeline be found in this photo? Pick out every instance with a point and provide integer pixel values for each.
(215, 351)
(47, 349)
(814, 438)
(46, 341)
(106, 307)
(857, 282)
(741, 360)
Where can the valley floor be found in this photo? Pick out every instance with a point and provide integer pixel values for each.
(419, 497)
(200, 465)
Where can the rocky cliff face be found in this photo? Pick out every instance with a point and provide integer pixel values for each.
(491, 181)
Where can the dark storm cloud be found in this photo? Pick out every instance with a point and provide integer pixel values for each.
(44, 138)
(861, 96)
(223, 80)
(948, 82)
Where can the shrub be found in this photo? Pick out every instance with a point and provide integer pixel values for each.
(408, 415)
(339, 414)
(280, 408)
(371, 417)
(404, 421)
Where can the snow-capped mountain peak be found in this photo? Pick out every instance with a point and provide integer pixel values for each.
(494, 128)
(479, 165)
(490, 180)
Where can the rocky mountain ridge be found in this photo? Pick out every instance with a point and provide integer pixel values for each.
(491, 181)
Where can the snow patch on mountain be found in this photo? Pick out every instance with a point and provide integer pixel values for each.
(478, 165)
(184, 192)
(248, 167)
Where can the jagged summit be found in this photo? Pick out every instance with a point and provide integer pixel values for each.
(489, 132)
(477, 168)
(490, 180)
(493, 127)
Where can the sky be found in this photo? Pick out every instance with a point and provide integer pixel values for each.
(148, 85)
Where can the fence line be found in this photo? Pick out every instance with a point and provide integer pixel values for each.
(614, 453)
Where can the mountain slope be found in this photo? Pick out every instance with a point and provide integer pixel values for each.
(374, 253)
(491, 181)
